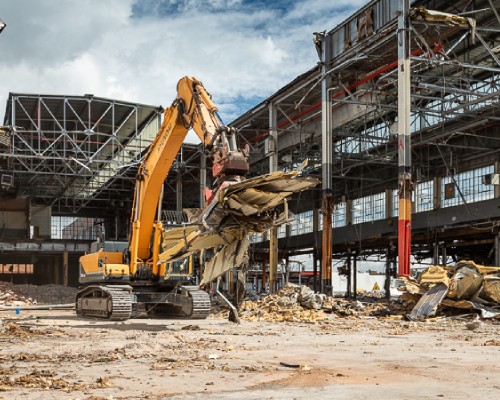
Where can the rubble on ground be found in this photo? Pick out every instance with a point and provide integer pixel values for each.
(465, 286)
(27, 294)
(449, 290)
(9, 297)
(292, 303)
(295, 303)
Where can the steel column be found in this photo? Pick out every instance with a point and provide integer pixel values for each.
(388, 275)
(326, 163)
(349, 275)
(178, 190)
(273, 138)
(264, 278)
(273, 167)
(273, 259)
(404, 139)
(65, 268)
(315, 270)
(355, 276)
(497, 249)
(203, 178)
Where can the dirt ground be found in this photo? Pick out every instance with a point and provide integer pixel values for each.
(55, 355)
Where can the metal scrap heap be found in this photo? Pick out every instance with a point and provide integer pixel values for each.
(466, 286)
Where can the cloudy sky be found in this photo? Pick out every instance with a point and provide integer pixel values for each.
(136, 50)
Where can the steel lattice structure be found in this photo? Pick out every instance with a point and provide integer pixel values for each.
(76, 152)
(455, 110)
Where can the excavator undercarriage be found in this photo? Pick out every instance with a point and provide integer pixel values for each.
(121, 302)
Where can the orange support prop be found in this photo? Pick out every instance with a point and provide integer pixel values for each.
(404, 236)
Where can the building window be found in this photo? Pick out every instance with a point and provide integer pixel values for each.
(255, 238)
(16, 269)
(424, 196)
(302, 223)
(395, 203)
(339, 215)
(468, 186)
(282, 231)
(368, 208)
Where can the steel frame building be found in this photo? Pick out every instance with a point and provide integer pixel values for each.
(77, 154)
(352, 142)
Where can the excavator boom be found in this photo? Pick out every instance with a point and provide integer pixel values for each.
(193, 109)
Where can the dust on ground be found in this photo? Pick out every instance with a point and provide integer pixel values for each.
(55, 355)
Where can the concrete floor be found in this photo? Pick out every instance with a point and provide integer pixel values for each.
(55, 355)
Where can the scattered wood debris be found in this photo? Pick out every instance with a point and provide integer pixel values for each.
(9, 297)
(48, 380)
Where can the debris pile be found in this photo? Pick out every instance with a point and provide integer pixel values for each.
(48, 380)
(12, 330)
(26, 294)
(292, 303)
(9, 297)
(466, 285)
(300, 304)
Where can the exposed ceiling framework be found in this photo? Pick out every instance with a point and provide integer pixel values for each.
(79, 154)
(75, 152)
(455, 99)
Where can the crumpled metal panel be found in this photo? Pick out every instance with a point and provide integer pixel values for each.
(236, 211)
(192, 242)
(485, 311)
(172, 237)
(466, 285)
(491, 290)
(252, 201)
(429, 302)
(228, 257)
(423, 14)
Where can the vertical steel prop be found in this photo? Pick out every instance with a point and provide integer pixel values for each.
(273, 259)
(323, 46)
(273, 166)
(326, 243)
(405, 183)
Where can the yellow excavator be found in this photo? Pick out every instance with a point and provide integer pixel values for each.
(118, 282)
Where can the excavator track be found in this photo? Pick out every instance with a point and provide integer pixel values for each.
(109, 302)
(201, 304)
(190, 302)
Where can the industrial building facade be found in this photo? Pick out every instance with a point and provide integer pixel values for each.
(68, 166)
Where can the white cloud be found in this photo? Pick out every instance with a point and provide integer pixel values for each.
(85, 46)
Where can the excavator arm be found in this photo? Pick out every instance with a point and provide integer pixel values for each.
(192, 109)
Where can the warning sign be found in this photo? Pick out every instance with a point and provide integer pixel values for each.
(376, 287)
